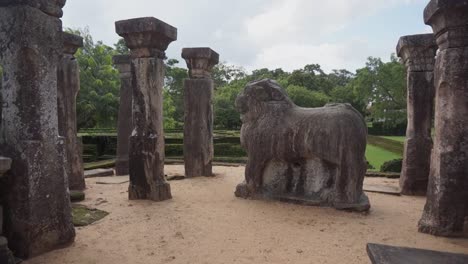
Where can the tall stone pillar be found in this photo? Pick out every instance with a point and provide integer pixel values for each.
(418, 53)
(38, 212)
(198, 102)
(125, 124)
(147, 38)
(447, 197)
(68, 88)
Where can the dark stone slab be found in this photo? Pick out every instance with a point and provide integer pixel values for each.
(114, 180)
(381, 254)
(380, 188)
(99, 173)
(176, 178)
(203, 53)
(362, 205)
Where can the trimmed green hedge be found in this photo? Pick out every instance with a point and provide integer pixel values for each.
(239, 160)
(380, 129)
(230, 140)
(174, 150)
(387, 144)
(392, 166)
(229, 150)
(168, 141)
(222, 150)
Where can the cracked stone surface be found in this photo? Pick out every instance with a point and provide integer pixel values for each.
(447, 198)
(37, 199)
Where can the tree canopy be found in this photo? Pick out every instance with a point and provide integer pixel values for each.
(378, 90)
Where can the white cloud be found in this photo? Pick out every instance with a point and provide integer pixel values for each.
(292, 33)
(250, 33)
(296, 56)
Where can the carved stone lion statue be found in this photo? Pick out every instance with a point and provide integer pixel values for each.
(313, 156)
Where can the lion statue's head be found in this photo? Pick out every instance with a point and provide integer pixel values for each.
(261, 97)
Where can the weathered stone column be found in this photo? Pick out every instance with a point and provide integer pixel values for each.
(418, 53)
(447, 197)
(198, 103)
(68, 88)
(125, 124)
(38, 211)
(147, 38)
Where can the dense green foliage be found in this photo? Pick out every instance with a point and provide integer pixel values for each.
(174, 87)
(377, 90)
(100, 148)
(383, 86)
(98, 99)
(392, 166)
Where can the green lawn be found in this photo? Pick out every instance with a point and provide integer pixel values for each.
(227, 149)
(378, 156)
(399, 139)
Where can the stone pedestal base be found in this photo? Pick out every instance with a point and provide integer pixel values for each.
(363, 205)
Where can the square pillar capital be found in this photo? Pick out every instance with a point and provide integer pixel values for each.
(146, 36)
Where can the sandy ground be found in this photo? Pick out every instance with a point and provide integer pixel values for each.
(205, 223)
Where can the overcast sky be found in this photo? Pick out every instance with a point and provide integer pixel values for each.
(274, 34)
